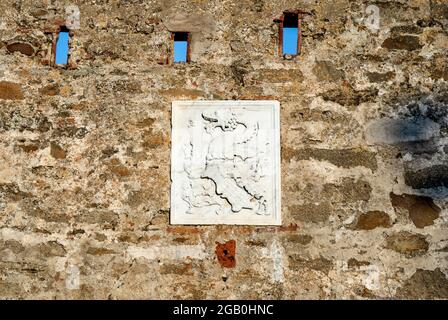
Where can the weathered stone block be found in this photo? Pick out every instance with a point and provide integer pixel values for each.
(321, 264)
(409, 244)
(327, 71)
(380, 77)
(424, 284)
(10, 91)
(85, 152)
(347, 96)
(427, 178)
(24, 48)
(422, 210)
(312, 212)
(346, 158)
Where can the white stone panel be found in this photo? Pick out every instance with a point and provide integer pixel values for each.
(225, 162)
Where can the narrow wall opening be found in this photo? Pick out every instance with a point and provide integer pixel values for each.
(290, 37)
(181, 49)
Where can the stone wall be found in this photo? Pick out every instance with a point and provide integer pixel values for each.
(85, 151)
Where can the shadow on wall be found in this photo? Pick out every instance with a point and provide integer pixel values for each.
(419, 130)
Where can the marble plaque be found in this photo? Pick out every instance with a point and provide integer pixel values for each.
(225, 162)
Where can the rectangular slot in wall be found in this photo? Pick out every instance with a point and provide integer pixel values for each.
(181, 47)
(290, 36)
(62, 47)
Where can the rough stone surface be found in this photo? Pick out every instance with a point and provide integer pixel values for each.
(342, 158)
(380, 77)
(427, 178)
(57, 152)
(346, 95)
(402, 42)
(24, 48)
(319, 264)
(425, 284)
(95, 206)
(348, 190)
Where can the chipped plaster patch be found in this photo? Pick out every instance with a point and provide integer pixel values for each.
(276, 253)
(168, 252)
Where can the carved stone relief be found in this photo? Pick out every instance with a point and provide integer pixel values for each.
(225, 162)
